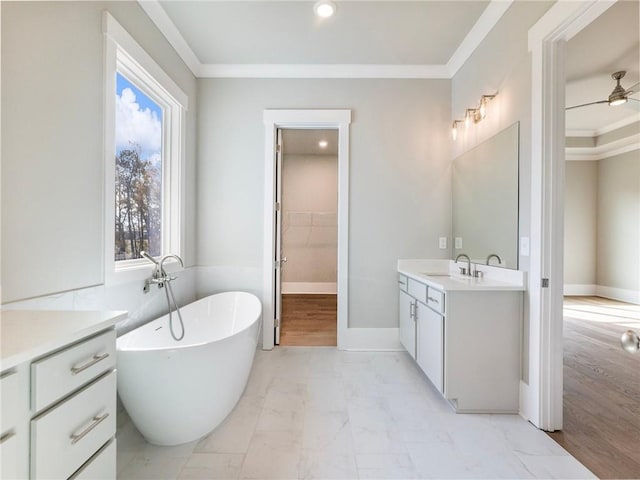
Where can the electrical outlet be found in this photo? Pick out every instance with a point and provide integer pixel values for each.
(524, 246)
(458, 244)
(443, 243)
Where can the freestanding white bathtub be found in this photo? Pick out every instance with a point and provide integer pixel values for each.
(176, 392)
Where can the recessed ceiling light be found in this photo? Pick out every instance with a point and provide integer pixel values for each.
(323, 144)
(324, 8)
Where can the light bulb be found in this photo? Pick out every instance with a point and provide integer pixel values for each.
(454, 131)
(324, 8)
(483, 109)
(467, 120)
(323, 144)
(618, 101)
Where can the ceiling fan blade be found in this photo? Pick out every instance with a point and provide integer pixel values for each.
(585, 104)
(630, 90)
(634, 99)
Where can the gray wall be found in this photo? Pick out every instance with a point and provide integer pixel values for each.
(580, 222)
(52, 142)
(399, 180)
(502, 64)
(309, 218)
(618, 237)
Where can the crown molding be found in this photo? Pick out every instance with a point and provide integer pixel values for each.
(606, 129)
(476, 35)
(601, 152)
(323, 71)
(159, 17)
(485, 23)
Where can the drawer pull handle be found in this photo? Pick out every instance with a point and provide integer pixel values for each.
(97, 420)
(8, 373)
(431, 299)
(401, 283)
(90, 363)
(7, 436)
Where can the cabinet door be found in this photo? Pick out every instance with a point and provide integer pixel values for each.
(430, 354)
(407, 324)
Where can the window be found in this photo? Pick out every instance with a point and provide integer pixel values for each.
(138, 172)
(144, 124)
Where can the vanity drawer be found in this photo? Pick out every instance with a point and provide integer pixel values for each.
(417, 290)
(435, 299)
(12, 399)
(101, 466)
(402, 282)
(65, 437)
(59, 374)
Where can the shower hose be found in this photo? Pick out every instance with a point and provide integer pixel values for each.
(169, 292)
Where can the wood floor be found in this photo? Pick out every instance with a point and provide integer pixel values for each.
(601, 387)
(309, 320)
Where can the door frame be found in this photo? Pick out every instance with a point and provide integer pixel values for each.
(541, 400)
(305, 119)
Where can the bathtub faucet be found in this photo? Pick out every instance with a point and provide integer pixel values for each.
(159, 276)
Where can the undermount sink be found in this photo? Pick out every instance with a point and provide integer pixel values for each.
(455, 278)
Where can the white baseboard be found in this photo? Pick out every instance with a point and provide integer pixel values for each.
(370, 339)
(309, 287)
(621, 294)
(580, 290)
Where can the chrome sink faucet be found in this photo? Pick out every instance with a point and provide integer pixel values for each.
(463, 271)
(494, 255)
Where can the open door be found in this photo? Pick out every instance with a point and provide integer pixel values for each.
(278, 259)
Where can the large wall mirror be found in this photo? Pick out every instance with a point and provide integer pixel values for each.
(485, 200)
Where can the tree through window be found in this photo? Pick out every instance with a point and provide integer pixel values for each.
(138, 172)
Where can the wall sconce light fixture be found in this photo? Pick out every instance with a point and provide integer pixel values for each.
(475, 114)
(483, 105)
(454, 129)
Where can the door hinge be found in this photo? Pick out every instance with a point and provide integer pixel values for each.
(545, 283)
(276, 322)
(278, 148)
(278, 206)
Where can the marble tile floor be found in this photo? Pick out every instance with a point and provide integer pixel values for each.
(321, 413)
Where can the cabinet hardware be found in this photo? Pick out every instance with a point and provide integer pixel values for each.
(401, 283)
(97, 420)
(7, 436)
(412, 310)
(8, 373)
(434, 300)
(90, 363)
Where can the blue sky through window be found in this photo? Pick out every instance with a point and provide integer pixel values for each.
(138, 120)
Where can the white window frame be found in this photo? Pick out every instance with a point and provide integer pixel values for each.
(124, 55)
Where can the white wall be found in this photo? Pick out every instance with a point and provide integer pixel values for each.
(580, 220)
(52, 147)
(309, 222)
(399, 180)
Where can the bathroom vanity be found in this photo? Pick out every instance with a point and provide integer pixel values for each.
(464, 332)
(58, 394)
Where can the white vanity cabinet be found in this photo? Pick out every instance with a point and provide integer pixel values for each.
(58, 394)
(430, 343)
(406, 317)
(465, 334)
(14, 422)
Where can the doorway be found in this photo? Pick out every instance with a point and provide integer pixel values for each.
(307, 237)
(274, 121)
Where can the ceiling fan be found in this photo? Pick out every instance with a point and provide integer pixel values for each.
(618, 96)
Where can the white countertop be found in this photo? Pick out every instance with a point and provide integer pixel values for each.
(28, 334)
(442, 274)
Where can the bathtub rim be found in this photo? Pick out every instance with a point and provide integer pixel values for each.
(167, 348)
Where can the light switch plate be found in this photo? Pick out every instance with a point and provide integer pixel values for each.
(443, 243)
(458, 243)
(524, 246)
